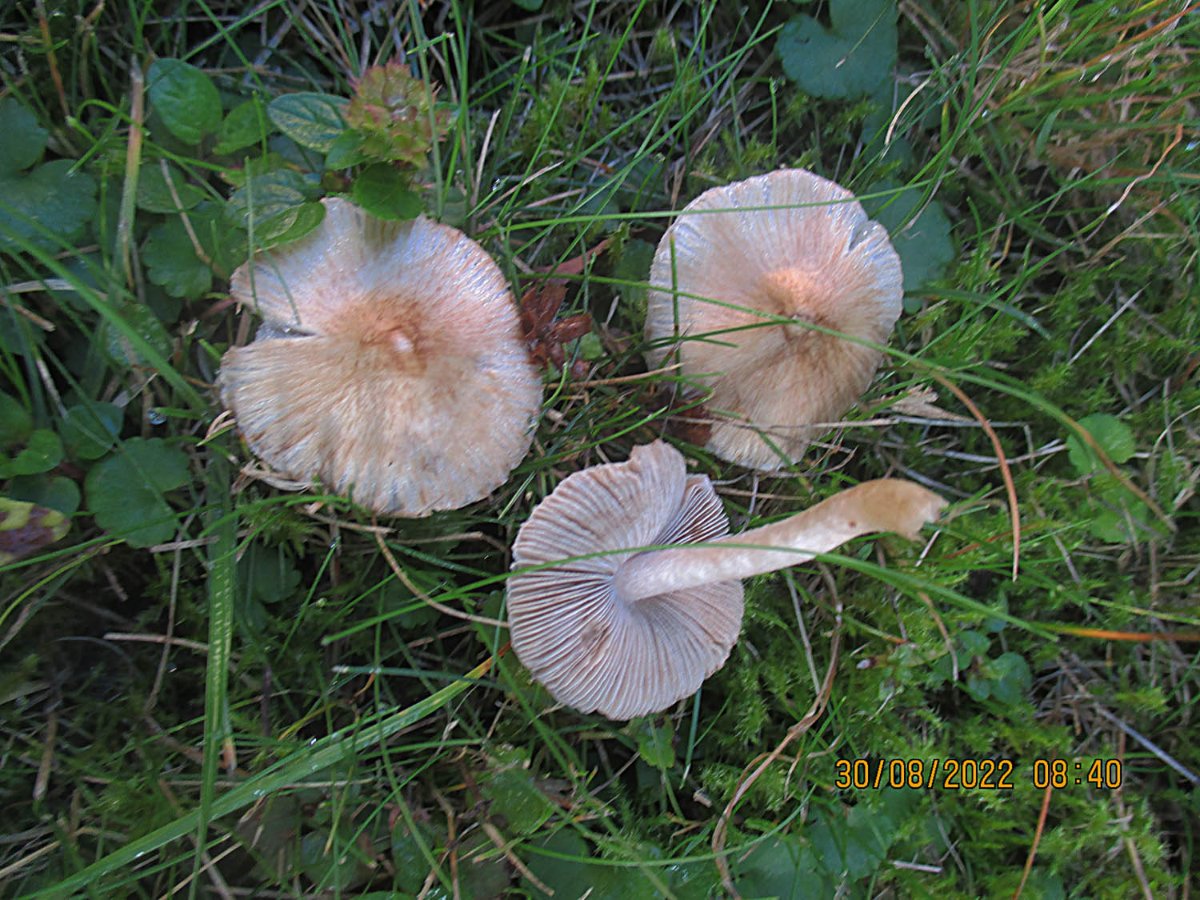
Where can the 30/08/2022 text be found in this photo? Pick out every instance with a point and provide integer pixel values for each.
(973, 774)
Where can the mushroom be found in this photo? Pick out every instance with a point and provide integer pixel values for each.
(610, 627)
(390, 364)
(739, 280)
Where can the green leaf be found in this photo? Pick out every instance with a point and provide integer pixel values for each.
(780, 866)
(515, 797)
(184, 98)
(1010, 677)
(330, 864)
(923, 244)
(24, 139)
(345, 151)
(55, 492)
(311, 120)
(244, 126)
(970, 645)
(633, 265)
(171, 261)
(567, 870)
(529, 5)
(141, 321)
(1117, 516)
(25, 528)
(267, 574)
(154, 190)
(268, 205)
(90, 430)
(382, 190)
(655, 743)
(15, 421)
(410, 863)
(42, 452)
(1113, 436)
(308, 217)
(850, 58)
(50, 199)
(125, 491)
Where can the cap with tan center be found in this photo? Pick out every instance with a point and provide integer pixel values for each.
(788, 245)
(593, 647)
(390, 364)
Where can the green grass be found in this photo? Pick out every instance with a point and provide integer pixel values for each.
(246, 700)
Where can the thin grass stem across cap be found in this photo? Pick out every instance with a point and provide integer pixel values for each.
(390, 364)
(610, 627)
(753, 288)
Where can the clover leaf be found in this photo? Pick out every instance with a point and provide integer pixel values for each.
(24, 139)
(850, 58)
(125, 491)
(43, 451)
(90, 429)
(44, 207)
(55, 492)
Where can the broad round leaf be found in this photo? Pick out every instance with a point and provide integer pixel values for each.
(850, 58)
(268, 206)
(89, 430)
(42, 453)
(24, 139)
(172, 263)
(46, 207)
(184, 98)
(125, 491)
(138, 320)
(55, 492)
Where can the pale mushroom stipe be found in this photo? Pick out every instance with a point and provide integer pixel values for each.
(608, 628)
(788, 245)
(390, 364)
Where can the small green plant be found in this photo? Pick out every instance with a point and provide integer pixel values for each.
(1113, 514)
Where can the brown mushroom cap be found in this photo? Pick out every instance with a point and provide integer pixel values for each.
(591, 648)
(787, 244)
(390, 364)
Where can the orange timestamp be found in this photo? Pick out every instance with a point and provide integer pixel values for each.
(973, 774)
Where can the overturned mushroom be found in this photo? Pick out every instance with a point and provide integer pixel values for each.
(738, 280)
(390, 364)
(608, 628)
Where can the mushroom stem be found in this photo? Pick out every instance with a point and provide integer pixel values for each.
(888, 504)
